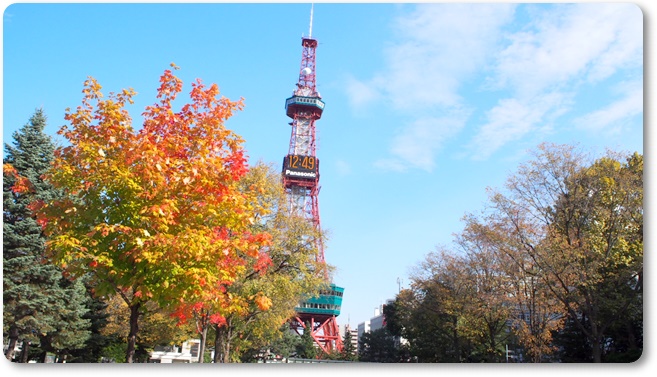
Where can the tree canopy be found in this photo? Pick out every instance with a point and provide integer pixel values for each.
(155, 213)
(560, 250)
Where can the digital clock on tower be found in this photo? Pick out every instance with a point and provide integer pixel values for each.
(301, 167)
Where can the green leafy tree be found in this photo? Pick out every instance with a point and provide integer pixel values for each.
(378, 346)
(395, 315)
(115, 351)
(40, 306)
(284, 345)
(457, 307)
(433, 313)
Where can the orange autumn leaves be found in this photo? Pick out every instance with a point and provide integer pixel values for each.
(155, 213)
(21, 184)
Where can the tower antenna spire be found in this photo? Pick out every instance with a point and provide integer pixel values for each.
(310, 32)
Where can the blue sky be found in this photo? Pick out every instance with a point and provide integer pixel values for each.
(427, 105)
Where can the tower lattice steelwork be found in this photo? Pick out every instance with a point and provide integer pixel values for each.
(300, 178)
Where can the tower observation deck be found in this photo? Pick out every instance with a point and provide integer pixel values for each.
(300, 177)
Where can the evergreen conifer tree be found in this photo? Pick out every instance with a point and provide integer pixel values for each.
(67, 318)
(306, 347)
(37, 300)
(348, 350)
(98, 316)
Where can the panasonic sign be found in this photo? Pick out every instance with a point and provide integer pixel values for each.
(294, 173)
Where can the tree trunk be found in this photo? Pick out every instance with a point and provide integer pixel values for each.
(226, 350)
(217, 345)
(132, 336)
(595, 336)
(25, 352)
(597, 350)
(13, 339)
(222, 343)
(201, 348)
(457, 342)
(228, 336)
(631, 339)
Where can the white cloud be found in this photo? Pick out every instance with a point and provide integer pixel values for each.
(612, 117)
(360, 93)
(513, 119)
(536, 63)
(563, 48)
(391, 164)
(418, 142)
(438, 45)
(439, 49)
(591, 40)
(509, 121)
(625, 49)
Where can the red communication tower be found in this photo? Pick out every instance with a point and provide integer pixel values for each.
(301, 181)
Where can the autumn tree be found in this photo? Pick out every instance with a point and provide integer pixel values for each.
(272, 285)
(489, 303)
(154, 214)
(561, 250)
(456, 309)
(533, 311)
(239, 300)
(435, 310)
(580, 222)
(458, 306)
(40, 307)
